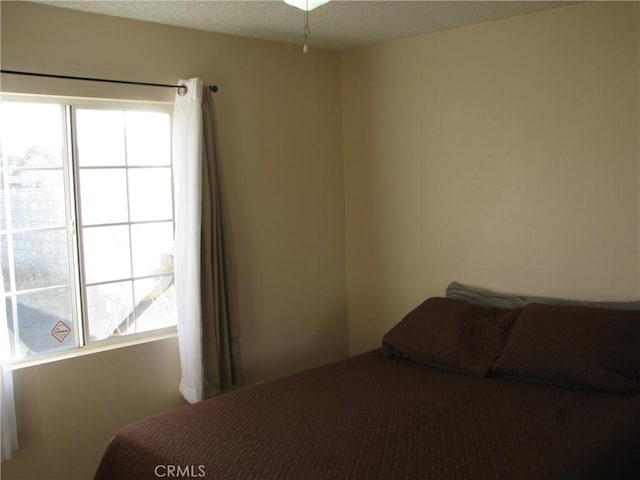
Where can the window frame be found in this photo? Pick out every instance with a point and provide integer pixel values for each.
(83, 344)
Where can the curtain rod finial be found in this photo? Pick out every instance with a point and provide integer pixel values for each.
(213, 88)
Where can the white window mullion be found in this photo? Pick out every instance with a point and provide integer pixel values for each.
(10, 258)
(126, 169)
(73, 229)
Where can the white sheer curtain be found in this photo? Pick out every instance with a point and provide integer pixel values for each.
(208, 335)
(187, 157)
(8, 428)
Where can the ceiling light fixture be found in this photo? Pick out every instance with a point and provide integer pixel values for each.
(306, 6)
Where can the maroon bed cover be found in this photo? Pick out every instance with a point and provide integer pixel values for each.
(371, 417)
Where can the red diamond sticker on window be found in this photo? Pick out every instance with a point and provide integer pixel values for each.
(60, 331)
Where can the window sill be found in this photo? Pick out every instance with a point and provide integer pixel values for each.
(104, 346)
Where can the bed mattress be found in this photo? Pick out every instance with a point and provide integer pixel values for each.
(370, 417)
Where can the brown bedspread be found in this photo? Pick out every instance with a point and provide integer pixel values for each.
(371, 417)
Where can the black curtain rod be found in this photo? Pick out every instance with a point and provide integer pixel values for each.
(182, 89)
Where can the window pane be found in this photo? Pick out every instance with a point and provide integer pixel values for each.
(4, 263)
(155, 303)
(106, 253)
(44, 323)
(150, 194)
(40, 258)
(108, 306)
(104, 196)
(3, 203)
(152, 248)
(37, 199)
(31, 134)
(100, 138)
(148, 139)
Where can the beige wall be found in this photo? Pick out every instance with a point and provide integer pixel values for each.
(67, 411)
(278, 114)
(503, 155)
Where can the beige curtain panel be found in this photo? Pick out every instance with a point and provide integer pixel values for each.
(220, 335)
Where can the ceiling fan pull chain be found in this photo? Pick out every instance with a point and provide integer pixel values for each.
(307, 34)
(307, 30)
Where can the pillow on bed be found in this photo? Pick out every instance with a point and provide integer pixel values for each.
(480, 296)
(574, 346)
(451, 334)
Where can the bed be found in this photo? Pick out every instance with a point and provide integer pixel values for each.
(457, 391)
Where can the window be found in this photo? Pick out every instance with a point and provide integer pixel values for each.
(86, 223)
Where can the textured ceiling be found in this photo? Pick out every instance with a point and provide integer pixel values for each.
(338, 25)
